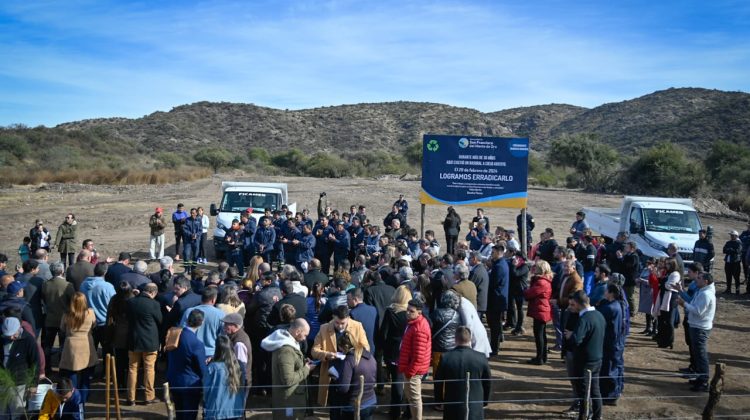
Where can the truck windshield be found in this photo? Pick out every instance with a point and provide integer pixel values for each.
(672, 221)
(237, 201)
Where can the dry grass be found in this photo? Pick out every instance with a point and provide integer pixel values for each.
(104, 176)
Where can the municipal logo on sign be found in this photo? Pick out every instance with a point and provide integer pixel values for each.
(433, 145)
(463, 142)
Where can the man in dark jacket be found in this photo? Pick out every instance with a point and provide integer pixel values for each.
(732, 266)
(589, 347)
(187, 368)
(631, 271)
(258, 327)
(186, 299)
(454, 367)
(336, 297)
(703, 251)
(481, 279)
(547, 248)
(81, 269)
(144, 319)
(192, 229)
(264, 240)
(289, 298)
(14, 298)
(379, 295)
(530, 224)
(314, 275)
(323, 247)
(497, 298)
(341, 241)
(18, 356)
(178, 219)
(117, 269)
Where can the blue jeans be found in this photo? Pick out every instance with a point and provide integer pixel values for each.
(81, 380)
(699, 347)
(189, 250)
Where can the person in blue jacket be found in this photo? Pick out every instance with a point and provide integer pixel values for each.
(403, 206)
(341, 244)
(265, 237)
(357, 234)
(187, 368)
(249, 227)
(289, 233)
(305, 244)
(497, 299)
(179, 217)
(279, 226)
(475, 236)
(611, 379)
(323, 246)
(192, 229)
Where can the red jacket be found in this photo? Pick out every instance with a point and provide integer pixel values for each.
(416, 348)
(538, 296)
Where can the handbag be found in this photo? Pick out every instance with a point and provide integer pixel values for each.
(172, 340)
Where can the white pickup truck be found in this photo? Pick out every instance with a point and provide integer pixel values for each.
(237, 197)
(653, 223)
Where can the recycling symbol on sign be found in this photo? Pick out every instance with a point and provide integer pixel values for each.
(433, 145)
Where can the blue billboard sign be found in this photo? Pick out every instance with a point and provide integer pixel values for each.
(477, 171)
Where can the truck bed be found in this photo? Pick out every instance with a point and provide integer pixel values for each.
(603, 220)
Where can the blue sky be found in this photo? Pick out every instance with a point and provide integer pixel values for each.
(69, 60)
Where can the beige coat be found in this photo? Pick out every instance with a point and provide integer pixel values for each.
(325, 342)
(79, 352)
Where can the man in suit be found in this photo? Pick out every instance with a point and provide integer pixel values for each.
(144, 318)
(82, 268)
(497, 298)
(481, 279)
(186, 299)
(589, 350)
(187, 368)
(314, 274)
(118, 269)
(453, 369)
(366, 314)
(290, 298)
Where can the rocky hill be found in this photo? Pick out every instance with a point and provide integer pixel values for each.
(690, 117)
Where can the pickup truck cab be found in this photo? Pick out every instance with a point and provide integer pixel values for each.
(237, 197)
(653, 223)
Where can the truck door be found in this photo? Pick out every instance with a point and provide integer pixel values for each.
(636, 220)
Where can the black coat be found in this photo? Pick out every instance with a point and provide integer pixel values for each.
(258, 310)
(24, 355)
(188, 300)
(391, 333)
(454, 365)
(519, 279)
(296, 300)
(379, 295)
(315, 276)
(444, 324)
(144, 319)
(114, 272)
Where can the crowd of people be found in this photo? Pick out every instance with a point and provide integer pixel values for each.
(300, 310)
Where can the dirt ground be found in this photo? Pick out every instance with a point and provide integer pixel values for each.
(116, 217)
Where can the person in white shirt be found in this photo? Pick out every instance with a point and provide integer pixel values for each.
(701, 310)
(205, 221)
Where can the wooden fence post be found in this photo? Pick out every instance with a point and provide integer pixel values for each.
(360, 392)
(168, 401)
(466, 398)
(113, 369)
(107, 380)
(714, 393)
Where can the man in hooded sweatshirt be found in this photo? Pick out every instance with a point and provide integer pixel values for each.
(289, 369)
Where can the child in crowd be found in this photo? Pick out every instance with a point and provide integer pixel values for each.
(24, 250)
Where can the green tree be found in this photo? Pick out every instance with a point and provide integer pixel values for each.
(413, 153)
(213, 158)
(294, 160)
(258, 154)
(326, 165)
(595, 163)
(665, 170)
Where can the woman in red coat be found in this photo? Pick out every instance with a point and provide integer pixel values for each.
(538, 295)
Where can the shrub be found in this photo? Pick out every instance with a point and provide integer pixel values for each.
(15, 145)
(413, 153)
(595, 163)
(294, 160)
(168, 160)
(258, 154)
(215, 158)
(664, 170)
(326, 165)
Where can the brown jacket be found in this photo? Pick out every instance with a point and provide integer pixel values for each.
(56, 294)
(79, 352)
(569, 284)
(467, 289)
(325, 342)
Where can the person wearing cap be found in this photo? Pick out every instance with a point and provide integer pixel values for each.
(179, 217)
(186, 369)
(19, 356)
(732, 261)
(240, 344)
(157, 224)
(40, 236)
(14, 298)
(703, 251)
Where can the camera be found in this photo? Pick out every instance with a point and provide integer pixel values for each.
(323, 194)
